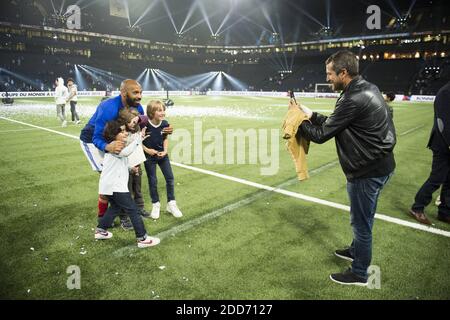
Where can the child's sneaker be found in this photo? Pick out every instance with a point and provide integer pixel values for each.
(143, 213)
(148, 242)
(173, 209)
(101, 234)
(64, 124)
(126, 224)
(155, 210)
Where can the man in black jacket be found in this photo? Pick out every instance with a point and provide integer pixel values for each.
(439, 143)
(365, 138)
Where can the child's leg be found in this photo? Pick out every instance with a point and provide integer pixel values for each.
(137, 193)
(108, 218)
(126, 203)
(102, 205)
(150, 168)
(166, 169)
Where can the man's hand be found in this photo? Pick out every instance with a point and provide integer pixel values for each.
(115, 146)
(161, 154)
(151, 152)
(135, 171)
(168, 130)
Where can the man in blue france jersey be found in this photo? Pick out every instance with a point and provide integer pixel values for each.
(92, 141)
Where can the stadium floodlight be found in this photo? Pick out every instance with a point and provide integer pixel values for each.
(33, 83)
(155, 79)
(218, 82)
(205, 16)
(146, 83)
(192, 7)
(235, 83)
(105, 73)
(172, 81)
(79, 79)
(139, 77)
(169, 14)
(306, 13)
(97, 77)
(150, 6)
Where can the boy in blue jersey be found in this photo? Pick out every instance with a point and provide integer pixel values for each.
(92, 141)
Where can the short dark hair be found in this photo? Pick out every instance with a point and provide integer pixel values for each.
(70, 79)
(344, 59)
(112, 129)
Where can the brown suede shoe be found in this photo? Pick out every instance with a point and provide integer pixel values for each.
(443, 219)
(419, 216)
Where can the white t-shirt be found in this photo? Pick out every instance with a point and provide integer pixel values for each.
(114, 176)
(73, 90)
(61, 94)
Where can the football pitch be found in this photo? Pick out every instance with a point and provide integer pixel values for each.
(244, 234)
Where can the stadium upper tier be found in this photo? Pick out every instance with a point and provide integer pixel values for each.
(232, 22)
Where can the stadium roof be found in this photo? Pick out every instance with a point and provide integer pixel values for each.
(235, 22)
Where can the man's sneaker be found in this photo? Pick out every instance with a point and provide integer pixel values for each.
(173, 209)
(348, 278)
(143, 213)
(64, 124)
(155, 210)
(148, 242)
(126, 224)
(102, 234)
(78, 122)
(344, 254)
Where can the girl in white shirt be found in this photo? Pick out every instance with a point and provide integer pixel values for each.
(114, 184)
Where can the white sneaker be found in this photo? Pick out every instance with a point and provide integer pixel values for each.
(64, 124)
(173, 209)
(155, 211)
(78, 122)
(148, 242)
(102, 235)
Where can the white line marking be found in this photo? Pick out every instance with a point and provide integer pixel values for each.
(20, 130)
(411, 130)
(379, 216)
(219, 212)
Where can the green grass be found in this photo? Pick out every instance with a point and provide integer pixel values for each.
(270, 246)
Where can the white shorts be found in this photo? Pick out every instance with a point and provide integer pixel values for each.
(94, 155)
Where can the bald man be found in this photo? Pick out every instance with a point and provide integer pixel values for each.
(92, 141)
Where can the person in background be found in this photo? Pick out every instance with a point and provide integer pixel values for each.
(439, 143)
(73, 99)
(61, 94)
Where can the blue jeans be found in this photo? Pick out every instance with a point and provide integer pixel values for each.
(150, 168)
(363, 194)
(122, 201)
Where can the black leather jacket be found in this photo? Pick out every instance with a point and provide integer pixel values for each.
(364, 130)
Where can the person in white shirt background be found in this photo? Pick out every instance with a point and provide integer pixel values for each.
(61, 94)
